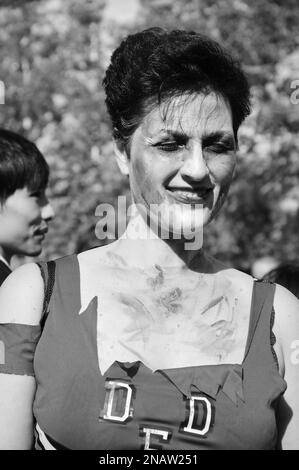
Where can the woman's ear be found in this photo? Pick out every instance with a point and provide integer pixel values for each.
(121, 155)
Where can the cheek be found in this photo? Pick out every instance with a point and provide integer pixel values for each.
(32, 214)
(139, 170)
(26, 210)
(145, 176)
(222, 169)
(138, 177)
(12, 229)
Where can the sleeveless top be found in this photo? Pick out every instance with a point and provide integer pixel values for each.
(227, 406)
(4, 271)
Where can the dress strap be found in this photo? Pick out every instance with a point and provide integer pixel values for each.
(62, 284)
(67, 284)
(262, 299)
(47, 270)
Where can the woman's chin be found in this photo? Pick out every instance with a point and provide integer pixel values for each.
(182, 230)
(183, 224)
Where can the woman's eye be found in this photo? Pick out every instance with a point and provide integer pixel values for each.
(219, 148)
(170, 146)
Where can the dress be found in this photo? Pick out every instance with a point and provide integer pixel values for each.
(4, 271)
(228, 406)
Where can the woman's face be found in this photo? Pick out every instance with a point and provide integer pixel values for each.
(182, 159)
(24, 218)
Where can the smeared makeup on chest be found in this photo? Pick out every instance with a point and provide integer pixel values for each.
(197, 309)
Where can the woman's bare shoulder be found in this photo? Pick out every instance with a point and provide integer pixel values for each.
(22, 296)
(100, 257)
(286, 307)
(93, 254)
(237, 275)
(238, 278)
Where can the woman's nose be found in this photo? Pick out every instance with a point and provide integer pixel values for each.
(47, 211)
(194, 167)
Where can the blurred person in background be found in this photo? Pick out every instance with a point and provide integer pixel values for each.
(148, 342)
(24, 208)
(262, 266)
(287, 275)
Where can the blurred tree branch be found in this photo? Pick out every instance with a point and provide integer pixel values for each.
(53, 56)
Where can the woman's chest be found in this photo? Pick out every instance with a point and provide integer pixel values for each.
(170, 320)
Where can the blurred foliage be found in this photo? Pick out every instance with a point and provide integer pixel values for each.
(53, 55)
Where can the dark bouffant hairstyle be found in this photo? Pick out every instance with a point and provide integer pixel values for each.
(21, 165)
(286, 275)
(153, 65)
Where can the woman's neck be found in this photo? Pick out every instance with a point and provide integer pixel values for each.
(142, 247)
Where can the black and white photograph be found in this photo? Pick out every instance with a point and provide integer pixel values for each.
(149, 228)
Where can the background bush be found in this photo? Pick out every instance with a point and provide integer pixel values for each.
(53, 54)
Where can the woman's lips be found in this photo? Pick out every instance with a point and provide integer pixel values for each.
(40, 233)
(188, 196)
(39, 236)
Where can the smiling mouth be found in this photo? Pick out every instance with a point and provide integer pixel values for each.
(188, 196)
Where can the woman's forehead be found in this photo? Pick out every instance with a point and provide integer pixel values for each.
(190, 114)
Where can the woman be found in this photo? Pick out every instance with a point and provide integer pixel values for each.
(149, 342)
(25, 211)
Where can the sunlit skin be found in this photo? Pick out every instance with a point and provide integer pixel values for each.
(183, 156)
(172, 307)
(24, 218)
(162, 316)
(181, 159)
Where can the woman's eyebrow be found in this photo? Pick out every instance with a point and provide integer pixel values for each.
(174, 133)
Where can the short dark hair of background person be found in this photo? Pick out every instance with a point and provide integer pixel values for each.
(21, 165)
(287, 275)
